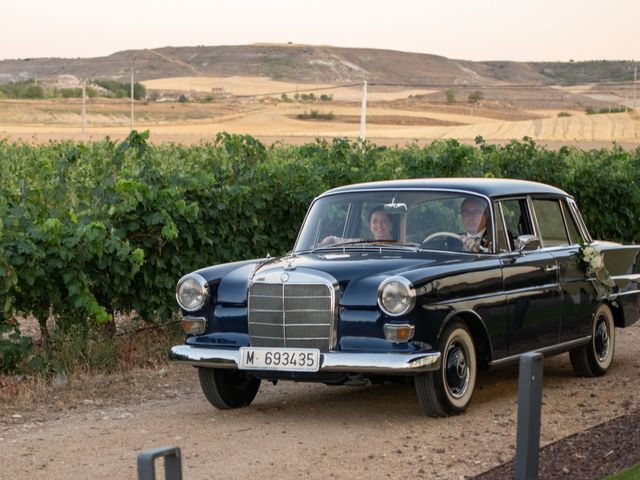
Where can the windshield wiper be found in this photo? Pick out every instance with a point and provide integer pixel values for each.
(373, 243)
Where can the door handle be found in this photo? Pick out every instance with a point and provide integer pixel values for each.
(551, 268)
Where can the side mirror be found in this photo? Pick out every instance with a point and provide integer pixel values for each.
(527, 242)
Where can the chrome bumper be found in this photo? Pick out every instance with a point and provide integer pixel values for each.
(352, 362)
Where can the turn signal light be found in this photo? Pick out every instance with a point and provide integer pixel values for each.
(398, 333)
(194, 325)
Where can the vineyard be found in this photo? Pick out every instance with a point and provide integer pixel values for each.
(91, 230)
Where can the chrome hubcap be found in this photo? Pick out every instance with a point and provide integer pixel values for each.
(457, 370)
(601, 340)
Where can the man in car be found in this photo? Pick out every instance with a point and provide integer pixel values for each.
(474, 213)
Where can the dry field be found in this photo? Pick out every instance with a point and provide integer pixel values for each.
(396, 115)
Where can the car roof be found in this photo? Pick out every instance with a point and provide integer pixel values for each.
(489, 187)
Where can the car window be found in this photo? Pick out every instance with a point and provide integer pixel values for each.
(574, 234)
(584, 232)
(501, 234)
(551, 222)
(334, 220)
(516, 219)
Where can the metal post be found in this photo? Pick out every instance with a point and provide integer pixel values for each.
(363, 111)
(529, 405)
(172, 465)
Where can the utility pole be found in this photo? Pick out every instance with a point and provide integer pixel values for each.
(363, 111)
(635, 77)
(84, 106)
(132, 63)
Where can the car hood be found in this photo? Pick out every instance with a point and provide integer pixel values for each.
(358, 273)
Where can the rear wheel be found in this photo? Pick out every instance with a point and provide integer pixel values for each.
(448, 390)
(226, 389)
(594, 359)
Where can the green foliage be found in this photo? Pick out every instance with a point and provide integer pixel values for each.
(593, 111)
(183, 99)
(118, 89)
(450, 95)
(573, 73)
(475, 97)
(564, 114)
(326, 98)
(14, 348)
(26, 89)
(75, 92)
(88, 230)
(315, 115)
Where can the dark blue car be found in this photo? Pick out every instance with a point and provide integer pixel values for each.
(412, 280)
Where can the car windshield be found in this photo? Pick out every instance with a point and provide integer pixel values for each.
(434, 220)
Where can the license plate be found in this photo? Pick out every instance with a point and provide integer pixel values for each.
(288, 359)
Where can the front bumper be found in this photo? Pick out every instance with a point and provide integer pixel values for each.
(349, 362)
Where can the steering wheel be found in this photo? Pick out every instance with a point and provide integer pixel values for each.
(445, 243)
(441, 234)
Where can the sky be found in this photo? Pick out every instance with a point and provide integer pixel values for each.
(541, 30)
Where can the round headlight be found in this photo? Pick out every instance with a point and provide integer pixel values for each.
(396, 296)
(191, 292)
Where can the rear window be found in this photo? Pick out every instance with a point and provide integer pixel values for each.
(550, 222)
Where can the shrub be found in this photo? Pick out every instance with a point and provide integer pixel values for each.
(14, 348)
(122, 89)
(475, 97)
(89, 230)
(450, 95)
(26, 90)
(315, 115)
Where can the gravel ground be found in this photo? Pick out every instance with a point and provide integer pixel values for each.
(95, 428)
(592, 454)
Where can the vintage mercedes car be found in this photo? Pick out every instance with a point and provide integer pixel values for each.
(412, 280)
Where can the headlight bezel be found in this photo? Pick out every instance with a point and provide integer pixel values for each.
(409, 295)
(202, 285)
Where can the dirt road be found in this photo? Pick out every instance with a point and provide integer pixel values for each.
(301, 430)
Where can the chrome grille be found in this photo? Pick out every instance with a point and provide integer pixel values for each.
(291, 315)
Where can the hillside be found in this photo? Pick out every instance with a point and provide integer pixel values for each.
(314, 64)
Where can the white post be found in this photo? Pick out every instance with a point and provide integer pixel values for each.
(635, 75)
(84, 106)
(363, 112)
(133, 60)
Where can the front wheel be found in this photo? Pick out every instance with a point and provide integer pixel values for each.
(227, 389)
(448, 390)
(594, 359)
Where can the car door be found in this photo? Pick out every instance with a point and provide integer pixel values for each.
(530, 279)
(561, 237)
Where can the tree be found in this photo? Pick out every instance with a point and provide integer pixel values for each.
(451, 96)
(476, 96)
